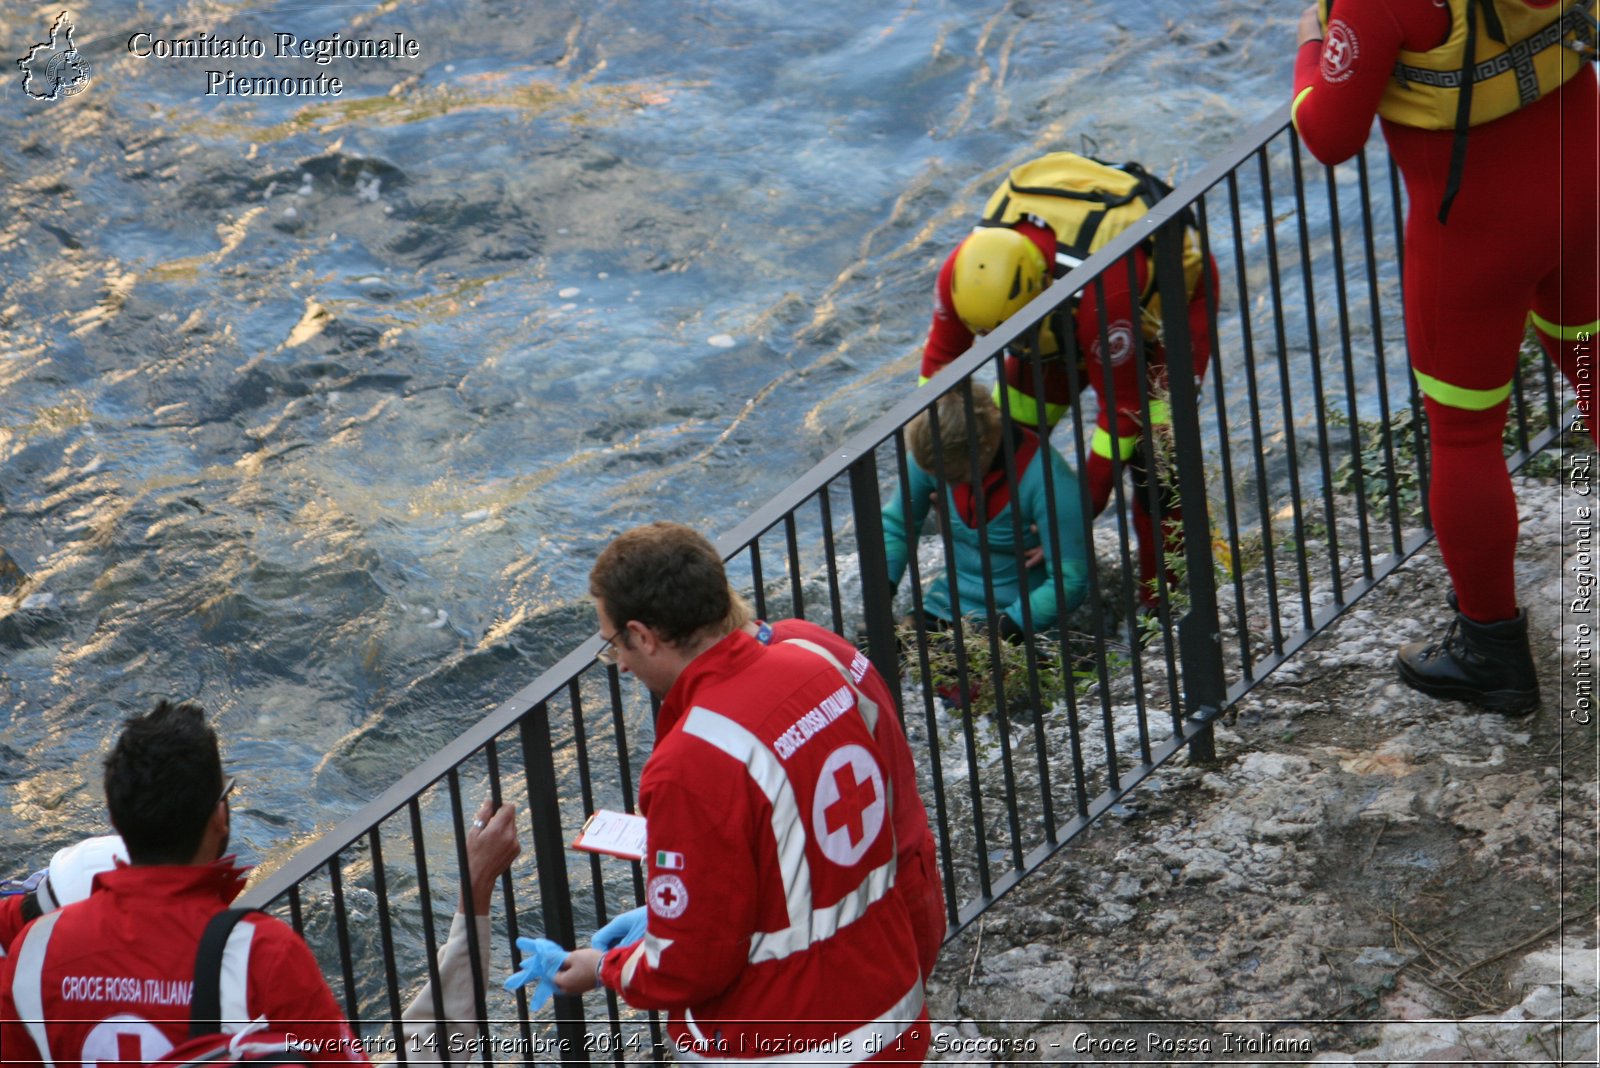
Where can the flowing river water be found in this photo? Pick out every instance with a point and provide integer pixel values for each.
(316, 409)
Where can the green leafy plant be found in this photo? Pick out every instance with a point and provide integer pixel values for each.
(945, 676)
(1375, 479)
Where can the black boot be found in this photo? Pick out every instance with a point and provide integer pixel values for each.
(1486, 664)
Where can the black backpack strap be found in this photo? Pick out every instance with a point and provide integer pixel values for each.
(205, 1004)
(1458, 148)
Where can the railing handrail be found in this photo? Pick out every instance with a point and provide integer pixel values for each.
(319, 852)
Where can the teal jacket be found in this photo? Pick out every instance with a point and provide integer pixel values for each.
(1065, 553)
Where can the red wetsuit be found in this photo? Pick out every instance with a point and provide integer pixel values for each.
(1521, 237)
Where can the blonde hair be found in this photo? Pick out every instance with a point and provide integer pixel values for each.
(958, 440)
(739, 612)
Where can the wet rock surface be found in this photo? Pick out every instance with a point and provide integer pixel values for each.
(1365, 875)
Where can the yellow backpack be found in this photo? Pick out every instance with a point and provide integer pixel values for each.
(1087, 202)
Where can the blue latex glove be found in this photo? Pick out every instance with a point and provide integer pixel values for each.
(622, 931)
(541, 959)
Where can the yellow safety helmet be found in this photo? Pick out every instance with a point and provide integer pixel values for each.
(997, 270)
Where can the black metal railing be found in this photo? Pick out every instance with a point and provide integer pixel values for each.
(1298, 466)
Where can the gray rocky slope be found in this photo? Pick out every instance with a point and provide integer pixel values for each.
(1366, 875)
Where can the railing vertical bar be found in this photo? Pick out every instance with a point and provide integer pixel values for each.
(555, 896)
(1154, 495)
(341, 923)
(597, 886)
(475, 951)
(975, 478)
(957, 632)
(619, 725)
(1379, 364)
(883, 648)
(930, 718)
(391, 978)
(1130, 564)
(1257, 438)
(1200, 629)
(1050, 536)
(1318, 387)
(1072, 361)
(430, 936)
(830, 551)
(1519, 404)
(1352, 413)
(1008, 459)
(508, 893)
(296, 917)
(1213, 283)
(757, 579)
(796, 590)
(1286, 389)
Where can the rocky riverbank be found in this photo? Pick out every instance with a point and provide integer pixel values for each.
(1366, 875)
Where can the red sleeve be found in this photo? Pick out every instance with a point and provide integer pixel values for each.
(287, 986)
(10, 920)
(16, 1046)
(1122, 325)
(703, 906)
(1339, 80)
(948, 337)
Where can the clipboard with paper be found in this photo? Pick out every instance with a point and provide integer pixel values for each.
(616, 834)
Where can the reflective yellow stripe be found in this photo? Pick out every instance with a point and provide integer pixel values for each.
(1101, 445)
(1160, 413)
(1025, 410)
(1472, 400)
(922, 380)
(1565, 333)
(1294, 109)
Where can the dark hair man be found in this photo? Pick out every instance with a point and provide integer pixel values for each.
(775, 930)
(110, 978)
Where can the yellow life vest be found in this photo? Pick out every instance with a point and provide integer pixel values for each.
(1520, 53)
(1087, 203)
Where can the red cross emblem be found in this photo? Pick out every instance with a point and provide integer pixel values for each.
(850, 804)
(854, 798)
(668, 896)
(1340, 50)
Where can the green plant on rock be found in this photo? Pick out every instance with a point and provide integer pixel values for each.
(945, 676)
(1378, 477)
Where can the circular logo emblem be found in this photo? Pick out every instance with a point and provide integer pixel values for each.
(1340, 50)
(1119, 338)
(850, 804)
(68, 73)
(668, 896)
(122, 1039)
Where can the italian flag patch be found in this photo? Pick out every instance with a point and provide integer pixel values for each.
(666, 860)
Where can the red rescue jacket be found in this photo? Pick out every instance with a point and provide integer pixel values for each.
(110, 978)
(774, 925)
